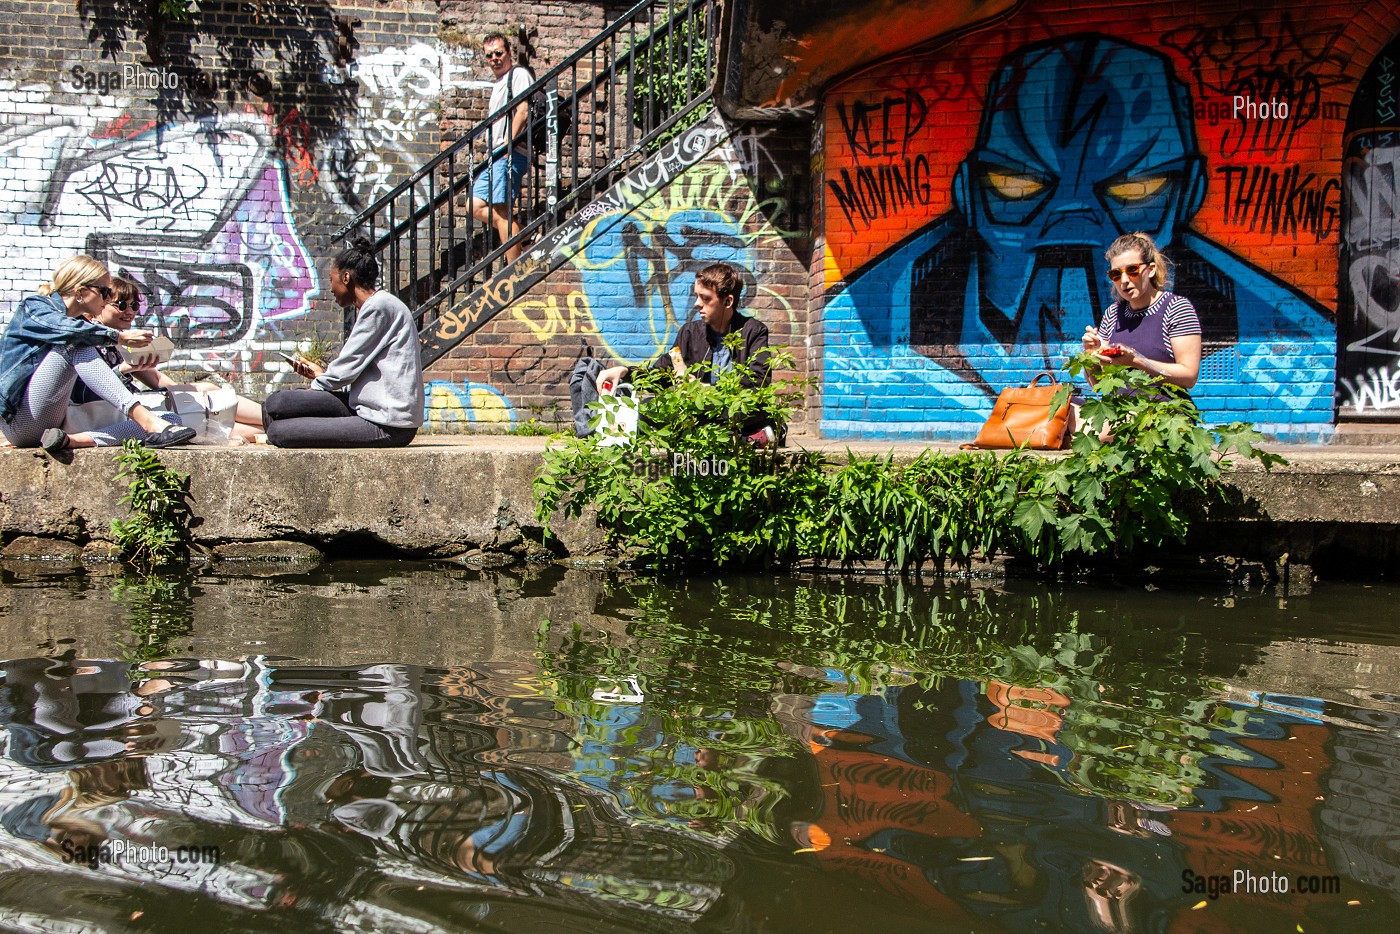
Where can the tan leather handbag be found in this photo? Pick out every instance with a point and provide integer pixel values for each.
(1022, 417)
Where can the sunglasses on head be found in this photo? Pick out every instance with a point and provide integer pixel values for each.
(1132, 269)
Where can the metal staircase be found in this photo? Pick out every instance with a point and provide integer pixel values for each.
(607, 110)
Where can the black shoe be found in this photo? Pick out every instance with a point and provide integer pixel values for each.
(170, 436)
(54, 440)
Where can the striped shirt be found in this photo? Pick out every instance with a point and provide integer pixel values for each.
(1149, 332)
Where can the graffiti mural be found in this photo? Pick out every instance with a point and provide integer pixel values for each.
(197, 213)
(969, 193)
(1368, 314)
(624, 266)
(638, 264)
(635, 188)
(213, 216)
(454, 406)
(397, 108)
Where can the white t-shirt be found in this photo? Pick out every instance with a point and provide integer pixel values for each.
(507, 86)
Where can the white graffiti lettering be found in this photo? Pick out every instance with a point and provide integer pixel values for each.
(397, 107)
(1376, 389)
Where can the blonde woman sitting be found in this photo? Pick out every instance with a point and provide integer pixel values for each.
(49, 344)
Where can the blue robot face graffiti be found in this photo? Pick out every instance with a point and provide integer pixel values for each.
(1082, 139)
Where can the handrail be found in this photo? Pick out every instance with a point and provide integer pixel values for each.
(540, 85)
(621, 95)
(468, 275)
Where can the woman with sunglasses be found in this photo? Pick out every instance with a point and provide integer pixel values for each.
(49, 343)
(1148, 328)
(120, 313)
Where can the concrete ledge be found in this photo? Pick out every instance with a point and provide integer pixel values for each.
(447, 496)
(430, 500)
(1322, 485)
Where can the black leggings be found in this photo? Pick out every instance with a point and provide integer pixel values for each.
(314, 418)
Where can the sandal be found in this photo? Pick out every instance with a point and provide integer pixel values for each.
(54, 440)
(170, 436)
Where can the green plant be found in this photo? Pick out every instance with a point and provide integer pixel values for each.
(1159, 470)
(177, 11)
(157, 531)
(316, 350)
(451, 35)
(948, 509)
(531, 429)
(672, 67)
(689, 486)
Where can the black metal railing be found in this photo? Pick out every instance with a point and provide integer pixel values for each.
(594, 116)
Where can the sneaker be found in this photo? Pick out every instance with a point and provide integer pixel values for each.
(170, 436)
(762, 438)
(54, 440)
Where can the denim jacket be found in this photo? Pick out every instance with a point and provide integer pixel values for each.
(40, 324)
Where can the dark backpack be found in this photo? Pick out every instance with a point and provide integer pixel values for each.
(539, 119)
(583, 389)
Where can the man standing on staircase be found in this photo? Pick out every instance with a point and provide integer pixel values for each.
(494, 191)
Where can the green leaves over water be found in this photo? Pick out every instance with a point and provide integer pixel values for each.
(157, 529)
(1155, 471)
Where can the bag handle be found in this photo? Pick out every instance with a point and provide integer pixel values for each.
(1047, 375)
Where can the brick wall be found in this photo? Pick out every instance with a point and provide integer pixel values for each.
(967, 195)
(625, 286)
(216, 171)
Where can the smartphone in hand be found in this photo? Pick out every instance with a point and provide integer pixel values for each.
(293, 359)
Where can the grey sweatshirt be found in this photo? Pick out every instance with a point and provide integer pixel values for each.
(381, 364)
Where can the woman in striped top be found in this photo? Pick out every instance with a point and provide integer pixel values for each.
(1149, 328)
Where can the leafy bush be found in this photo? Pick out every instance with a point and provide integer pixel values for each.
(1158, 471)
(689, 485)
(158, 529)
(944, 508)
(1144, 484)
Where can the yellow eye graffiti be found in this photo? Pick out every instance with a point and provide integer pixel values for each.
(1015, 187)
(1137, 189)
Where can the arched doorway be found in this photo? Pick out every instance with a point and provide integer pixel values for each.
(1368, 301)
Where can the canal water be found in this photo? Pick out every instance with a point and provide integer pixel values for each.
(405, 747)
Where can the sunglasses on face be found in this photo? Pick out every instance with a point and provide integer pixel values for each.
(1132, 269)
(104, 290)
(492, 56)
(126, 304)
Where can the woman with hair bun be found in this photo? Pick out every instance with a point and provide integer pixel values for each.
(49, 343)
(371, 394)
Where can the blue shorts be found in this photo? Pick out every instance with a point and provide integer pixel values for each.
(490, 185)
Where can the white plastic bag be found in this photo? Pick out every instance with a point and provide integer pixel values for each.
(90, 416)
(623, 407)
(210, 414)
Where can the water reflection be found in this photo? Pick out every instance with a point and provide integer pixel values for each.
(456, 750)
